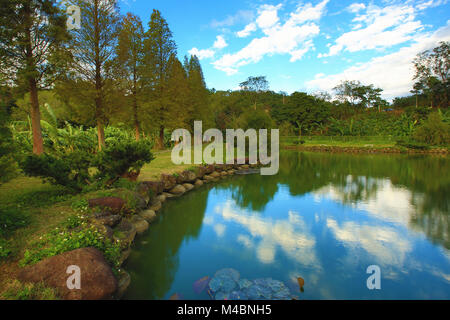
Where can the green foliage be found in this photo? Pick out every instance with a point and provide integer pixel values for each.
(81, 205)
(11, 220)
(122, 158)
(8, 166)
(303, 111)
(70, 171)
(62, 240)
(433, 131)
(5, 249)
(29, 291)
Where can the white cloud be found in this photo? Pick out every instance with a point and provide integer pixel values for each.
(220, 43)
(201, 54)
(267, 16)
(384, 243)
(393, 72)
(355, 7)
(430, 4)
(384, 27)
(241, 16)
(308, 12)
(247, 30)
(293, 37)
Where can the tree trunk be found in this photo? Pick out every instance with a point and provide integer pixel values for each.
(100, 134)
(161, 137)
(38, 143)
(135, 109)
(98, 81)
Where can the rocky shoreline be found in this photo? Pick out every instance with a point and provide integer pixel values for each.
(122, 217)
(367, 149)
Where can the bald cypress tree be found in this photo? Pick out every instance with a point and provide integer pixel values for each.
(32, 37)
(130, 56)
(93, 47)
(198, 93)
(159, 46)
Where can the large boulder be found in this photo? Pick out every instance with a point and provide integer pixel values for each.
(140, 224)
(178, 190)
(188, 186)
(161, 198)
(113, 205)
(106, 219)
(151, 187)
(148, 215)
(189, 176)
(198, 183)
(168, 181)
(168, 195)
(156, 205)
(97, 279)
(215, 174)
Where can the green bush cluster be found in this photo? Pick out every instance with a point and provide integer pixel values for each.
(122, 158)
(433, 131)
(73, 169)
(373, 124)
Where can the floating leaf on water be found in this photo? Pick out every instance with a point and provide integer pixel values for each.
(176, 296)
(200, 285)
(301, 282)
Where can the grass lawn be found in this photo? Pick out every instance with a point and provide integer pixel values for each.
(344, 141)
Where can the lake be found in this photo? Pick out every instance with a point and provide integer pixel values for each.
(324, 217)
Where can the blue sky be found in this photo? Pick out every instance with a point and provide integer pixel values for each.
(304, 45)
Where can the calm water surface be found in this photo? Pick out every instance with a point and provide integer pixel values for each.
(324, 217)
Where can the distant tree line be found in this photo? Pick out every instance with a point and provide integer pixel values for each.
(114, 72)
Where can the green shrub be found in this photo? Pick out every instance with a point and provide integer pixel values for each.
(11, 220)
(123, 159)
(433, 131)
(71, 171)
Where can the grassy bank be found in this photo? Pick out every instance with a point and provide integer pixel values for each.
(381, 144)
(38, 208)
